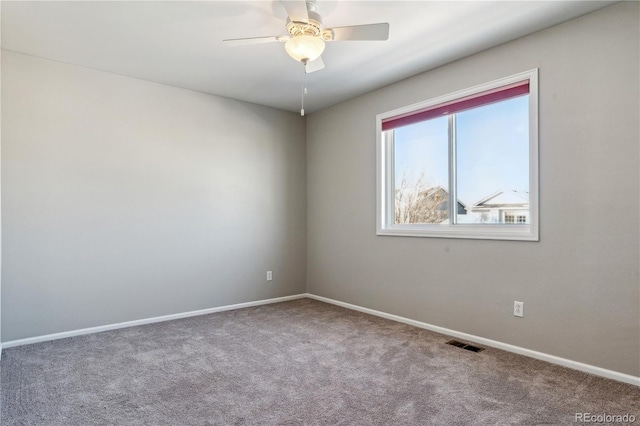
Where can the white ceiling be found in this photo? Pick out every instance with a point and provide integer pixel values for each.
(180, 43)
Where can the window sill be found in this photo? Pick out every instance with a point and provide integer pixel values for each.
(476, 232)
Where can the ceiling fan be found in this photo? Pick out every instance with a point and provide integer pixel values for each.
(307, 35)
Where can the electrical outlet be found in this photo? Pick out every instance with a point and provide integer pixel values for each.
(269, 275)
(518, 309)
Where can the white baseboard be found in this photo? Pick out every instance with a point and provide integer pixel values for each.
(587, 368)
(116, 326)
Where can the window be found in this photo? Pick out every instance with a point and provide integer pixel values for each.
(464, 165)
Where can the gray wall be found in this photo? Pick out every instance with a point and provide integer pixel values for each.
(124, 199)
(580, 283)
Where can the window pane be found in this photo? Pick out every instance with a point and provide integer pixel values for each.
(493, 163)
(421, 172)
(484, 141)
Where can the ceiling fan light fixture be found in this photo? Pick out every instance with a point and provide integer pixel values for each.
(304, 47)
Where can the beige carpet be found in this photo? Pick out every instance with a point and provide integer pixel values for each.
(300, 362)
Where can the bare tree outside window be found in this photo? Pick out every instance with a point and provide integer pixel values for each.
(420, 202)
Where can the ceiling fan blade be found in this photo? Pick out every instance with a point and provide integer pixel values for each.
(314, 66)
(361, 32)
(255, 40)
(297, 10)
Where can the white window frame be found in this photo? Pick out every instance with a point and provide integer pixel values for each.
(385, 217)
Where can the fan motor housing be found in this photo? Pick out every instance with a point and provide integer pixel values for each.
(313, 28)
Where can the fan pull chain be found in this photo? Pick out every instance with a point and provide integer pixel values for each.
(304, 87)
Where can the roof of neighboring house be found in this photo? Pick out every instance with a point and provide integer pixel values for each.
(503, 198)
(435, 191)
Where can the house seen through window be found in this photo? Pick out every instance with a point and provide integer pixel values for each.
(463, 165)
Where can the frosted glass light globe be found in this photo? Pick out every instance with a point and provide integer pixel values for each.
(304, 47)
